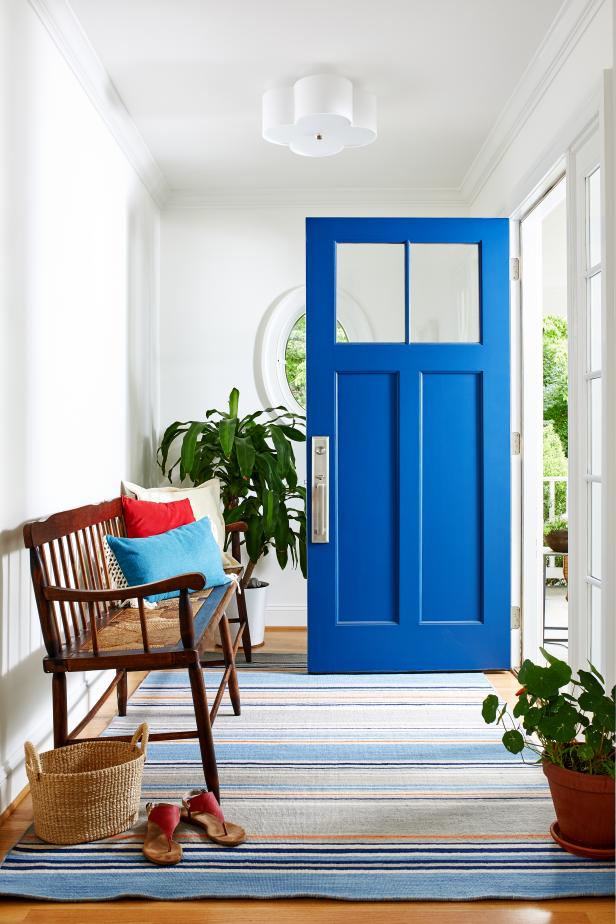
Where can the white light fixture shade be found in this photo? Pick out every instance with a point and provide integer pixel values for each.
(319, 115)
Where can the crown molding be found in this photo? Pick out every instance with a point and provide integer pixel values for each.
(318, 198)
(570, 24)
(66, 31)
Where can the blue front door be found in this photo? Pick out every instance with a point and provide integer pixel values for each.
(408, 444)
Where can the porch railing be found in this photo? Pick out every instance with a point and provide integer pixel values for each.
(557, 501)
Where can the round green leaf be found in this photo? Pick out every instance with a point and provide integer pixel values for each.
(490, 708)
(513, 741)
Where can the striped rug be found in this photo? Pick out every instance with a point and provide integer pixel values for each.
(353, 787)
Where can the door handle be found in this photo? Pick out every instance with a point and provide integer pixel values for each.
(320, 489)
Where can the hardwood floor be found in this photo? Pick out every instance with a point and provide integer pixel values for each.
(298, 911)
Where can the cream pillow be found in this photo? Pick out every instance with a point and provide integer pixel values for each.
(204, 500)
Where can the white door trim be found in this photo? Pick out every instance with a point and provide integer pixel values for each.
(584, 127)
(515, 339)
(532, 416)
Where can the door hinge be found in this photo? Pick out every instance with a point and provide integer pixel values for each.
(514, 272)
(516, 617)
(516, 444)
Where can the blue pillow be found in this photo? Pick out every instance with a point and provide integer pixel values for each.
(185, 549)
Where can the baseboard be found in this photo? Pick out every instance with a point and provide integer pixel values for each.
(286, 616)
(286, 628)
(19, 798)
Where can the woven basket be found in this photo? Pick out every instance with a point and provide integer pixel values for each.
(86, 791)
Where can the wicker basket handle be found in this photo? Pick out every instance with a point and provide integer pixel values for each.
(141, 734)
(32, 758)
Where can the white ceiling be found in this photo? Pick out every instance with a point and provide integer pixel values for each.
(191, 74)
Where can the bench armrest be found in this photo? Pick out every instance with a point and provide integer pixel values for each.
(239, 527)
(74, 595)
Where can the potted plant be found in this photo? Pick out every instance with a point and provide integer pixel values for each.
(569, 724)
(556, 534)
(253, 458)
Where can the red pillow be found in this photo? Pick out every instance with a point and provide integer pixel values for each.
(149, 518)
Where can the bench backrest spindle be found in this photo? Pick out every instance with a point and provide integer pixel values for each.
(67, 550)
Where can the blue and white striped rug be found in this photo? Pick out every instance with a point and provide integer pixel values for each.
(353, 787)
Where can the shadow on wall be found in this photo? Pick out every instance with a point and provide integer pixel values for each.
(142, 358)
(23, 686)
(78, 279)
(25, 691)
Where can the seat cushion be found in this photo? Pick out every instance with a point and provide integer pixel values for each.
(187, 549)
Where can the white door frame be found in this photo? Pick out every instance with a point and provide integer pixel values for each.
(531, 399)
(598, 123)
(608, 187)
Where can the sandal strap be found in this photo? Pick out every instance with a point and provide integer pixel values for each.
(205, 802)
(166, 816)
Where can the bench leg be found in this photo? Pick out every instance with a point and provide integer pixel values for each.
(227, 649)
(204, 727)
(244, 627)
(122, 691)
(60, 714)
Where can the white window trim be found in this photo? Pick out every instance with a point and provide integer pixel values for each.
(283, 315)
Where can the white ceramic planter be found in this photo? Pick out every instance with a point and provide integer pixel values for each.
(256, 602)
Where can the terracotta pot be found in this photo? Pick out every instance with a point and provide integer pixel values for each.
(584, 806)
(558, 540)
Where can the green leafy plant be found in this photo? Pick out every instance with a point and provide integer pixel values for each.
(552, 525)
(564, 721)
(253, 458)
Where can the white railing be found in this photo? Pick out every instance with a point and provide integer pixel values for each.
(552, 570)
(551, 481)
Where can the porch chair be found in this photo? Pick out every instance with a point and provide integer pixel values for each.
(85, 629)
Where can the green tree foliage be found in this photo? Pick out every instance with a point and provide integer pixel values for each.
(295, 358)
(295, 361)
(554, 459)
(555, 376)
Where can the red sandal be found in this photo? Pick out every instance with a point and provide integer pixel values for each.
(158, 845)
(204, 812)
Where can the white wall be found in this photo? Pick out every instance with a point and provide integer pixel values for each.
(221, 271)
(78, 277)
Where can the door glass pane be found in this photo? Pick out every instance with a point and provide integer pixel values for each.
(594, 333)
(594, 218)
(596, 655)
(375, 278)
(444, 293)
(595, 530)
(595, 426)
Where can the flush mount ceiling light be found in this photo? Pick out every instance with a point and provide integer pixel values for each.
(319, 116)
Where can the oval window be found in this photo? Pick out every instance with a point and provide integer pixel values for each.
(295, 358)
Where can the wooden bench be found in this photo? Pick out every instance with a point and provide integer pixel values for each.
(79, 609)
